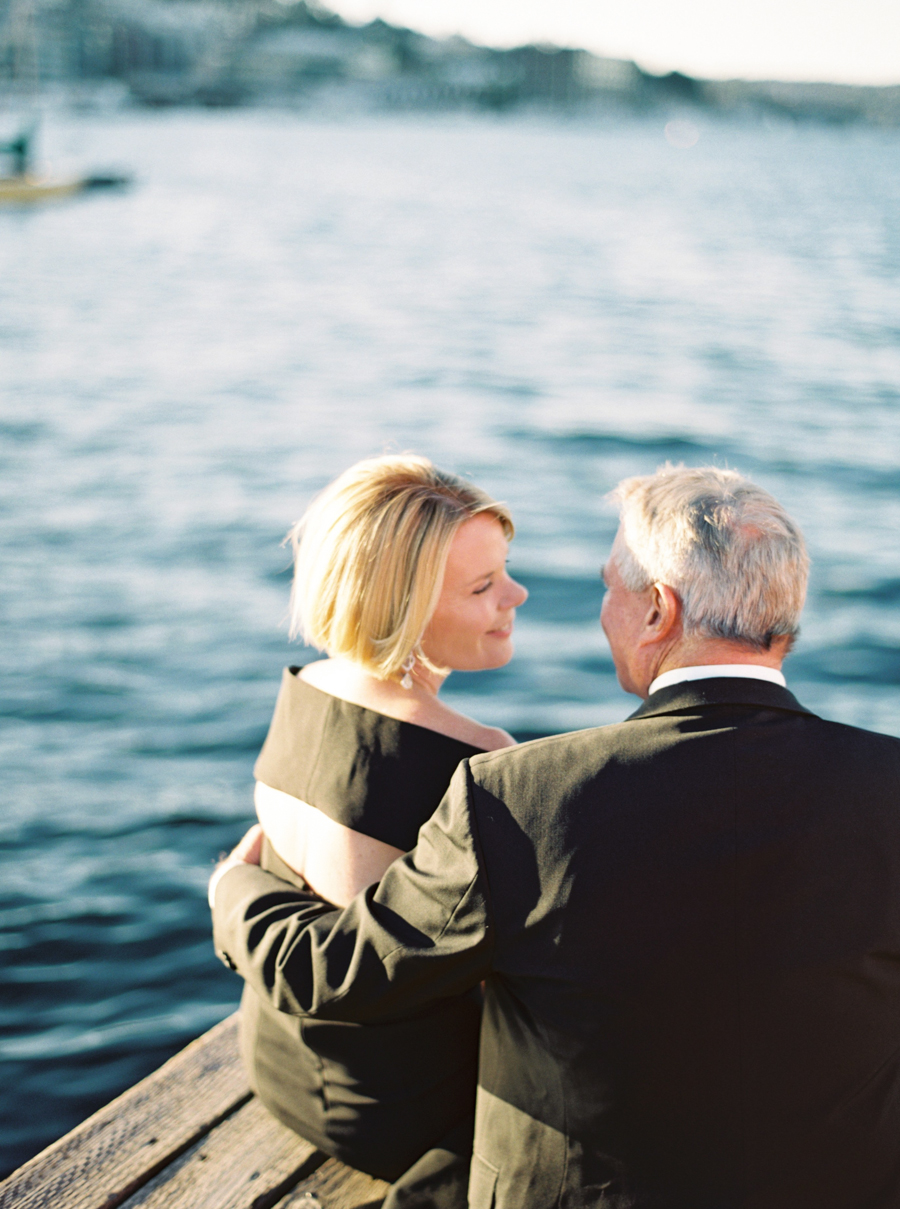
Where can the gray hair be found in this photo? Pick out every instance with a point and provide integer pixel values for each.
(727, 547)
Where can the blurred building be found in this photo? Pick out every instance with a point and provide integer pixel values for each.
(226, 52)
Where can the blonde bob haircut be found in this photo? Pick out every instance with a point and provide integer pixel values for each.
(369, 558)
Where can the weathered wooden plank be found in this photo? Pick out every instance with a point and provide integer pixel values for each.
(114, 1152)
(335, 1186)
(248, 1161)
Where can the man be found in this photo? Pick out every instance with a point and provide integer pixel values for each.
(688, 923)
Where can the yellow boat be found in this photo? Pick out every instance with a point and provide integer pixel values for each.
(21, 189)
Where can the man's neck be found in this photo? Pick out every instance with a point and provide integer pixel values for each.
(700, 652)
(690, 652)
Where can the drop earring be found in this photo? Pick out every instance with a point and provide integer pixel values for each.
(407, 666)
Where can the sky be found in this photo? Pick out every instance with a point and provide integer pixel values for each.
(846, 41)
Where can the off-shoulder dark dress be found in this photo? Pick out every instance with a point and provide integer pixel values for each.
(375, 1096)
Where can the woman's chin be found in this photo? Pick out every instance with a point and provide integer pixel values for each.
(493, 654)
(500, 656)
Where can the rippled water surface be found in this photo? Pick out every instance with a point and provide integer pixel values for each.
(547, 306)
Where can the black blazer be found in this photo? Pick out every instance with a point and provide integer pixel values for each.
(689, 924)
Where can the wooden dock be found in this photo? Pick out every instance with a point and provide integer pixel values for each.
(190, 1136)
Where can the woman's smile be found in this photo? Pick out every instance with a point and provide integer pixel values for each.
(472, 625)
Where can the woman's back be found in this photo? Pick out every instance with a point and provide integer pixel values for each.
(376, 1096)
(338, 840)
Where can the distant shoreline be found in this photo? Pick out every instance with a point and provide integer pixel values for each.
(217, 54)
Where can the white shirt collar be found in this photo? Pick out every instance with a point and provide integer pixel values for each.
(746, 671)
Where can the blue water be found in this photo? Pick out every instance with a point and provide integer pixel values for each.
(546, 305)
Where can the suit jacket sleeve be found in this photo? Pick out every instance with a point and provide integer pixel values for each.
(420, 935)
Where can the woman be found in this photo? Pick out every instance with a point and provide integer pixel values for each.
(400, 577)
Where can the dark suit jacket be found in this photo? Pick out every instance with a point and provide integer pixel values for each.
(689, 924)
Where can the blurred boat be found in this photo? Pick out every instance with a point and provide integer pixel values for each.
(20, 183)
(24, 189)
(22, 186)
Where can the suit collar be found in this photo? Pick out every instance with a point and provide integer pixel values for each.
(719, 690)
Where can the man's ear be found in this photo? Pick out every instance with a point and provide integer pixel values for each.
(663, 616)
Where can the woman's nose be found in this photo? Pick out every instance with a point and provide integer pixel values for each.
(516, 594)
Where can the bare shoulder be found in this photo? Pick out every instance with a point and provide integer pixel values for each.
(322, 674)
(447, 721)
(492, 738)
(343, 679)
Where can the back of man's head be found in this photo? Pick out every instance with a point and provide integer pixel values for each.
(727, 547)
